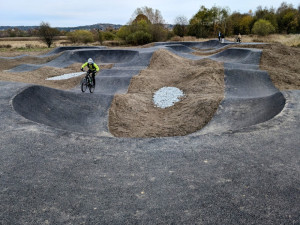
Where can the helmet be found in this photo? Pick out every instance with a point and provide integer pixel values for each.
(90, 61)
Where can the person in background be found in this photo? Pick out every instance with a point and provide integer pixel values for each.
(239, 38)
(93, 68)
(223, 38)
(219, 35)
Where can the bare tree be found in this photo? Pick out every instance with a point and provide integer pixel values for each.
(154, 16)
(47, 33)
(180, 27)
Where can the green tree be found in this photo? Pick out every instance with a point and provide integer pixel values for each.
(246, 24)
(207, 22)
(287, 18)
(144, 27)
(47, 33)
(233, 23)
(199, 24)
(266, 14)
(263, 27)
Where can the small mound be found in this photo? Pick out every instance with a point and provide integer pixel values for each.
(135, 115)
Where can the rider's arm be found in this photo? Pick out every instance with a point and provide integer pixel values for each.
(84, 65)
(96, 66)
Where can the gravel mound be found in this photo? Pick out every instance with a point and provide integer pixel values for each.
(167, 96)
(66, 76)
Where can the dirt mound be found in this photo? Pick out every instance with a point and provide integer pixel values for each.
(135, 115)
(282, 64)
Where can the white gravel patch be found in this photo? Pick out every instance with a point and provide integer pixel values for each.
(167, 96)
(66, 76)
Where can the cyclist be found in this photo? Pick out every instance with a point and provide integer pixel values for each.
(93, 69)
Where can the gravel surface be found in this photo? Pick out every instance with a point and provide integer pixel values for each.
(167, 96)
(65, 76)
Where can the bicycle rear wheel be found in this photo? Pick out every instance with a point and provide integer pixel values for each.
(83, 85)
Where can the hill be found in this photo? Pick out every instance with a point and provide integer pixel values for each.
(101, 26)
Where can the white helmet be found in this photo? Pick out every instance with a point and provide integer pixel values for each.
(90, 61)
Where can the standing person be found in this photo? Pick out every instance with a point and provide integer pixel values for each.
(219, 36)
(93, 68)
(223, 38)
(239, 38)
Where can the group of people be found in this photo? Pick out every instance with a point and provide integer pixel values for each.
(221, 37)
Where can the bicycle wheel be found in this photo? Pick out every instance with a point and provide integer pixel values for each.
(83, 85)
(91, 87)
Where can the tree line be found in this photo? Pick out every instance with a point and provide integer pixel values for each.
(207, 22)
(147, 25)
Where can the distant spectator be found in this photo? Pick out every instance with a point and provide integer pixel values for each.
(239, 38)
(219, 35)
(223, 38)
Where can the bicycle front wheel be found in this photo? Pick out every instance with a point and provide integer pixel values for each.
(83, 85)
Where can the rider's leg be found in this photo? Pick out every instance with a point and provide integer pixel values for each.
(87, 73)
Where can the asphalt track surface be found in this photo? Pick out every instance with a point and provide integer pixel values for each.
(60, 165)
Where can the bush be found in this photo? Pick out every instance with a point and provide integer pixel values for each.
(158, 32)
(139, 38)
(123, 32)
(80, 36)
(5, 46)
(263, 27)
(108, 36)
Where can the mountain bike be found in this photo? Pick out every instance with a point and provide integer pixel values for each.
(87, 82)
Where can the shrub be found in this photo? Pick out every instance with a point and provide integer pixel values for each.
(28, 46)
(109, 36)
(5, 46)
(158, 32)
(123, 32)
(139, 38)
(263, 27)
(80, 36)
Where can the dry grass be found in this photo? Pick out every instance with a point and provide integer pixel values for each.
(288, 40)
(188, 38)
(33, 43)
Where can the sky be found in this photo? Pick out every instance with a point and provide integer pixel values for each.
(71, 13)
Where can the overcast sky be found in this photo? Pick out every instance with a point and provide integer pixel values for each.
(62, 13)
